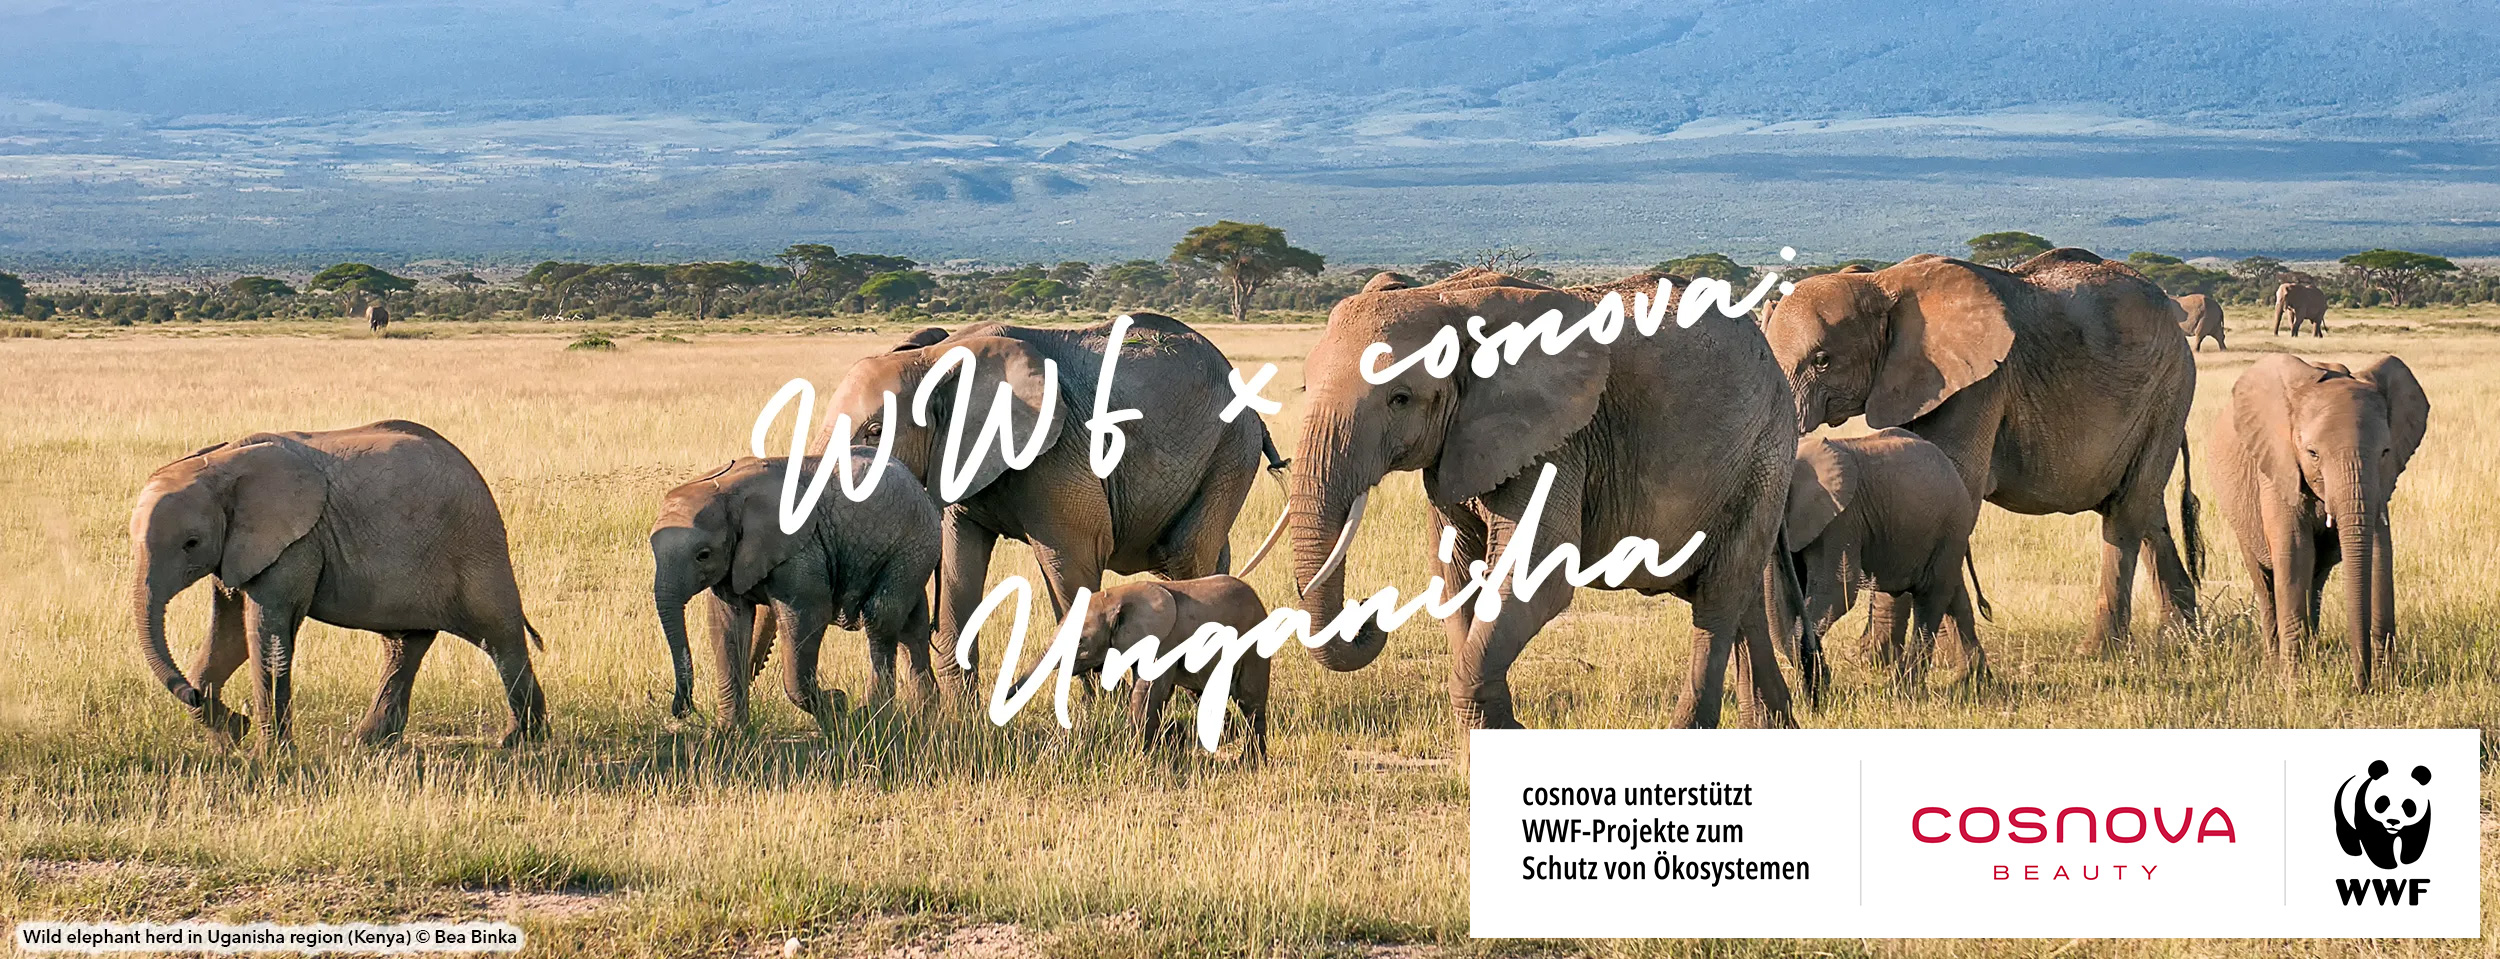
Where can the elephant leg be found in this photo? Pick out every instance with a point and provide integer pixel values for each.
(227, 650)
(272, 629)
(1887, 623)
(2176, 593)
(2325, 557)
(1197, 543)
(803, 636)
(1965, 634)
(913, 638)
(1468, 546)
(402, 653)
(730, 659)
(963, 575)
(2261, 589)
(1145, 707)
(2293, 597)
(2122, 536)
(1480, 663)
(1250, 687)
(1761, 695)
(507, 644)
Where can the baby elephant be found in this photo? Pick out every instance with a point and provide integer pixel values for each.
(2308, 455)
(384, 527)
(1886, 511)
(1173, 610)
(851, 564)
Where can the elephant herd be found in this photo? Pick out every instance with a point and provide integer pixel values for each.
(2059, 386)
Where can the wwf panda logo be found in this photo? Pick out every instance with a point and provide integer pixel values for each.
(2387, 818)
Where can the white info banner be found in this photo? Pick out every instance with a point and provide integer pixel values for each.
(1881, 833)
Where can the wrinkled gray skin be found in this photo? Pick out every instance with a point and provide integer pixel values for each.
(2307, 456)
(376, 317)
(385, 527)
(2202, 321)
(2302, 302)
(863, 565)
(1172, 610)
(1684, 431)
(1886, 512)
(2061, 386)
(1166, 509)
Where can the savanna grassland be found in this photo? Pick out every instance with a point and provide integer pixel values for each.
(629, 834)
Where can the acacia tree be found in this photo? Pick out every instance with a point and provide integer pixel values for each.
(12, 293)
(259, 287)
(1717, 266)
(896, 287)
(2006, 250)
(2396, 271)
(706, 281)
(1246, 256)
(361, 278)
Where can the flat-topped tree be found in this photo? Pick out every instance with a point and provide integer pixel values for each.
(705, 282)
(1716, 266)
(2007, 249)
(12, 293)
(2396, 271)
(260, 287)
(360, 278)
(1246, 256)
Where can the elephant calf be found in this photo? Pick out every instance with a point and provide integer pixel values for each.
(2307, 455)
(1886, 511)
(384, 527)
(851, 564)
(1174, 609)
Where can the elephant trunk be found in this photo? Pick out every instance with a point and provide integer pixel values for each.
(148, 605)
(2356, 536)
(669, 592)
(1323, 512)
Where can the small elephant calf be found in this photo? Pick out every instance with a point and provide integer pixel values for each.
(864, 564)
(1172, 610)
(1887, 511)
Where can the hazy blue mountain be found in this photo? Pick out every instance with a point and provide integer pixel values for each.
(1609, 131)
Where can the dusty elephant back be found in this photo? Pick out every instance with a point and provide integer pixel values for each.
(402, 497)
(2104, 378)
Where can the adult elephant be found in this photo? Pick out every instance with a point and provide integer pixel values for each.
(1661, 436)
(2300, 301)
(1168, 507)
(2061, 386)
(2203, 321)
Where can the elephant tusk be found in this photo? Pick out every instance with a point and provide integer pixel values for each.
(1353, 521)
(1273, 532)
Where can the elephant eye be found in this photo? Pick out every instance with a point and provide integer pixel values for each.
(192, 543)
(1821, 360)
(1401, 398)
(703, 555)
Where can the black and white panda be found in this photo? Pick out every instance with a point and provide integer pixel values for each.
(2389, 818)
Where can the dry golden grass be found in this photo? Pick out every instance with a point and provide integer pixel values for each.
(627, 834)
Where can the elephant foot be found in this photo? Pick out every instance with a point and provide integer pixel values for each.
(375, 736)
(1974, 674)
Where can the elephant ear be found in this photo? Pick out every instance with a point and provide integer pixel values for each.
(1385, 280)
(2408, 408)
(1144, 609)
(2261, 405)
(996, 360)
(754, 501)
(274, 496)
(1947, 329)
(1821, 484)
(1524, 410)
(921, 337)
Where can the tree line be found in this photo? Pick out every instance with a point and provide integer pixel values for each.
(1228, 266)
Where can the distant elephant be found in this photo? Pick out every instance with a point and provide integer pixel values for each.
(2203, 320)
(1886, 512)
(383, 527)
(2303, 302)
(376, 317)
(863, 565)
(2307, 455)
(2059, 387)
(1168, 507)
(1660, 436)
(1173, 610)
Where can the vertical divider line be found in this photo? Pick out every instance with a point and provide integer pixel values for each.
(1861, 832)
(2287, 833)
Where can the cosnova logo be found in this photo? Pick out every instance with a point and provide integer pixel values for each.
(2388, 819)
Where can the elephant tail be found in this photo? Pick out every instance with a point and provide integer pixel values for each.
(1276, 462)
(535, 639)
(2189, 530)
(1979, 597)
